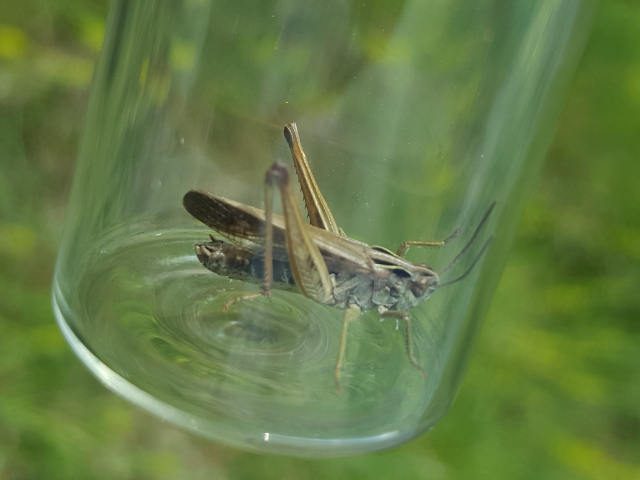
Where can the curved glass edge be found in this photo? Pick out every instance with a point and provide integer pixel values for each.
(265, 442)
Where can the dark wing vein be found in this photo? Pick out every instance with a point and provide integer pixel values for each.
(236, 222)
(243, 225)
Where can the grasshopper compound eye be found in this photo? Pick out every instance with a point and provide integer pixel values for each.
(424, 284)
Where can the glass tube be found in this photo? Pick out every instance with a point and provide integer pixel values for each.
(415, 115)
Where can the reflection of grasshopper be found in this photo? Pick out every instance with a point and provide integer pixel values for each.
(319, 259)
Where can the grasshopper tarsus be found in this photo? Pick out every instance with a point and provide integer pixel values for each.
(337, 373)
(318, 258)
(244, 298)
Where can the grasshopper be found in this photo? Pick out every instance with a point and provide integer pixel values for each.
(316, 259)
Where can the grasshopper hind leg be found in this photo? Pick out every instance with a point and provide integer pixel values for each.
(268, 250)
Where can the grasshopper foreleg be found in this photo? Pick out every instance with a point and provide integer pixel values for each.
(404, 246)
(400, 315)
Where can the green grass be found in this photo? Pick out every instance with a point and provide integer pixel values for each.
(553, 390)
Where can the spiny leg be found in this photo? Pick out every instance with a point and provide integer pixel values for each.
(400, 315)
(319, 213)
(308, 266)
(350, 314)
(307, 263)
(404, 246)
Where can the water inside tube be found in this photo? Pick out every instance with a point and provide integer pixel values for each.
(153, 314)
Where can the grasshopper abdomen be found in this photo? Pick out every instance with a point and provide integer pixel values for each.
(238, 263)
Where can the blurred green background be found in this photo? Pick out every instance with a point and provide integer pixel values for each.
(553, 391)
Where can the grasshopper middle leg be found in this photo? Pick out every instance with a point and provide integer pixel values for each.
(350, 314)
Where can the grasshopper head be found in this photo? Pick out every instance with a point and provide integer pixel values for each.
(424, 283)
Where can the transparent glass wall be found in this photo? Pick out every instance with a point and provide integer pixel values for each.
(415, 116)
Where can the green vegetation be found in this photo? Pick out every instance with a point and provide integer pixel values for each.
(553, 391)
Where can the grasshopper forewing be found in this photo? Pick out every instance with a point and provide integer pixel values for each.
(317, 258)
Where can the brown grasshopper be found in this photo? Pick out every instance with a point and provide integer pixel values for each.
(317, 259)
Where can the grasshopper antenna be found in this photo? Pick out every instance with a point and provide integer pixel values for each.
(470, 242)
(468, 271)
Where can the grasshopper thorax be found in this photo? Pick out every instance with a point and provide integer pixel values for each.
(403, 288)
(390, 288)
